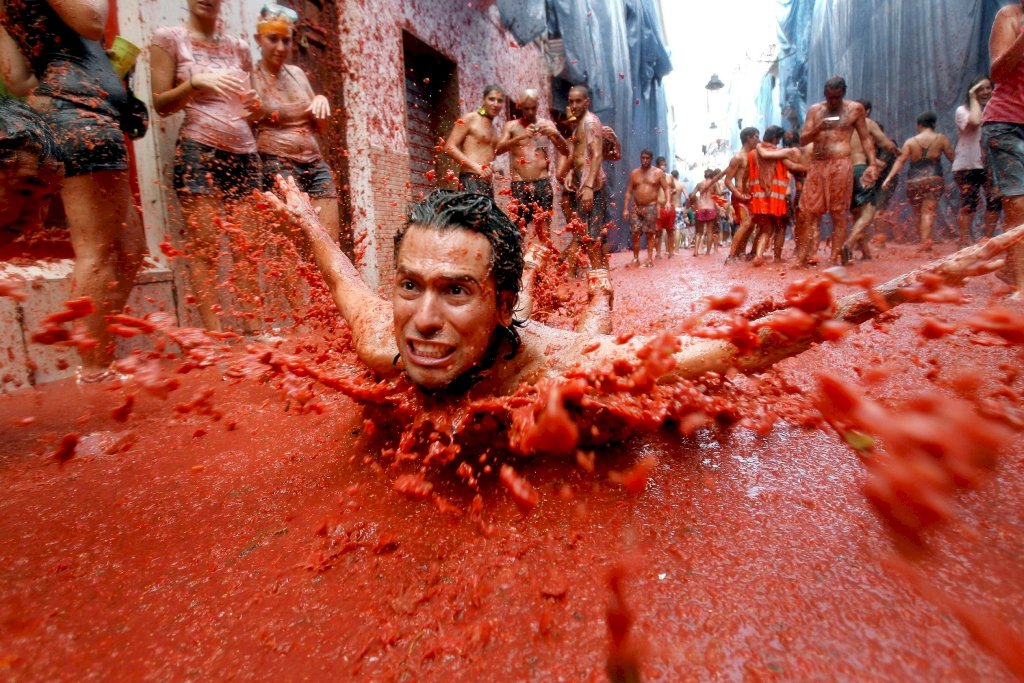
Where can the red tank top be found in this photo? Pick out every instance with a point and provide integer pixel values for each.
(1007, 103)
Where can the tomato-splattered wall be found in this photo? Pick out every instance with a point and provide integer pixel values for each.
(469, 34)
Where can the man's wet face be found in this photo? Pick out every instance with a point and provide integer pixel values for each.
(25, 191)
(528, 109)
(445, 303)
(493, 103)
(578, 103)
(645, 160)
(834, 99)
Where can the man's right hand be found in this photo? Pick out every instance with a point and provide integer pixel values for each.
(485, 171)
(296, 204)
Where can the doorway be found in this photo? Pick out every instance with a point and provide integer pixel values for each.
(432, 107)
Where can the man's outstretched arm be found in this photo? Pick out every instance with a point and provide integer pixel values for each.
(370, 317)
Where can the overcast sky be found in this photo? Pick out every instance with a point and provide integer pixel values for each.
(725, 37)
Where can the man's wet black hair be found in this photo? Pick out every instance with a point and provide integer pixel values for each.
(866, 104)
(449, 210)
(928, 120)
(22, 129)
(660, 160)
(493, 87)
(747, 133)
(836, 83)
(772, 134)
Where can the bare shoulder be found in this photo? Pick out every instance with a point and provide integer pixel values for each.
(1009, 13)
(297, 73)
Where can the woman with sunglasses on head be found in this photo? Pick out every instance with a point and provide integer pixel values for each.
(290, 116)
(198, 69)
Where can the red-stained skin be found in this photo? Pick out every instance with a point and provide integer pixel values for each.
(226, 523)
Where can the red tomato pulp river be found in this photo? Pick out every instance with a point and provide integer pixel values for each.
(270, 544)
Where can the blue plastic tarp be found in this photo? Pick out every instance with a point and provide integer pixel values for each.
(616, 48)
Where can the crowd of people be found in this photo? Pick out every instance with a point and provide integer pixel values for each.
(843, 164)
(252, 127)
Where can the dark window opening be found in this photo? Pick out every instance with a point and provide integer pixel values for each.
(431, 108)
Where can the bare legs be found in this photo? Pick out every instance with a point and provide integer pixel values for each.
(806, 237)
(926, 219)
(865, 214)
(1013, 208)
(964, 220)
(706, 231)
(107, 238)
(839, 226)
(769, 227)
(204, 232)
(742, 235)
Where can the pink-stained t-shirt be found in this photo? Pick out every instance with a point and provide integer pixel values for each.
(288, 132)
(212, 119)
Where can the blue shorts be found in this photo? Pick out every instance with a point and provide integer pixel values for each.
(201, 170)
(1003, 145)
(313, 178)
(91, 141)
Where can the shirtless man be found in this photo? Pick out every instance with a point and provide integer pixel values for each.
(473, 142)
(678, 213)
(865, 196)
(702, 198)
(528, 141)
(736, 182)
(648, 188)
(829, 184)
(584, 173)
(666, 211)
(450, 324)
